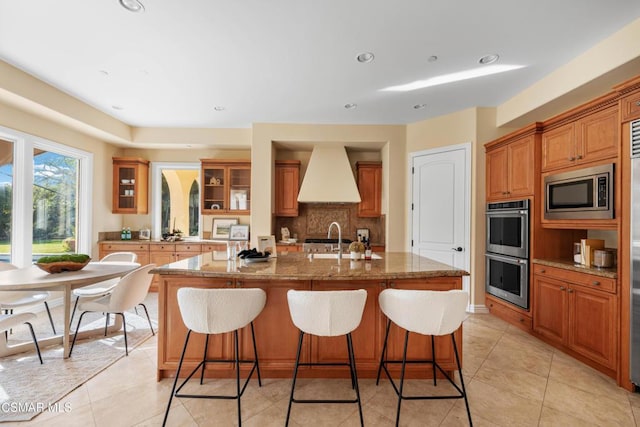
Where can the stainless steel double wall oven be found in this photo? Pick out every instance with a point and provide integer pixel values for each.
(507, 255)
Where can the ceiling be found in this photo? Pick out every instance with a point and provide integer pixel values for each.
(294, 61)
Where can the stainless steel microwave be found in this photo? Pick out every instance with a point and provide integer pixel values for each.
(580, 194)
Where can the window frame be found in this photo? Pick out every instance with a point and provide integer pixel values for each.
(22, 207)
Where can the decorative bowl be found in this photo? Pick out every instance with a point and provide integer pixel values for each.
(62, 265)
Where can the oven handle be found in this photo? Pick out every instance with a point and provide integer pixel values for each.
(507, 213)
(507, 259)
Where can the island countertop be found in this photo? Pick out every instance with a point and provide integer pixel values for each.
(300, 266)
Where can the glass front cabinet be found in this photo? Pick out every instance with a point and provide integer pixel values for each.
(130, 185)
(226, 187)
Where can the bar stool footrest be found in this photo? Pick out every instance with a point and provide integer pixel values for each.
(204, 396)
(430, 362)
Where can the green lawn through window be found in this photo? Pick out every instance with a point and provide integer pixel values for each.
(47, 247)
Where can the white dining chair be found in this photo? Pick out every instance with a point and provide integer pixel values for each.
(101, 289)
(12, 300)
(129, 292)
(10, 321)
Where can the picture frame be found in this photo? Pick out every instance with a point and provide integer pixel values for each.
(220, 228)
(362, 233)
(267, 243)
(239, 232)
(238, 200)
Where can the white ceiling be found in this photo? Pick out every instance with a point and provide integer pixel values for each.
(293, 61)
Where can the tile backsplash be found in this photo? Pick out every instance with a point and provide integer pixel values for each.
(314, 218)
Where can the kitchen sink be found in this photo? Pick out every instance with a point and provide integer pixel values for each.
(335, 256)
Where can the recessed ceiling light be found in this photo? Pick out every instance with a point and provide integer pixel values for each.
(489, 59)
(105, 73)
(432, 58)
(117, 107)
(365, 57)
(132, 5)
(453, 77)
(419, 106)
(219, 108)
(350, 106)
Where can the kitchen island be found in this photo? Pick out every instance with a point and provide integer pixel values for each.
(276, 335)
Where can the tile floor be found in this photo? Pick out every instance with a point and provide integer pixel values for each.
(512, 379)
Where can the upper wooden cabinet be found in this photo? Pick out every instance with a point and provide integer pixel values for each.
(226, 187)
(511, 168)
(130, 185)
(630, 107)
(370, 187)
(588, 139)
(287, 186)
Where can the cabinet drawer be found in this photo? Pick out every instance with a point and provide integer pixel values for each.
(514, 317)
(584, 279)
(124, 247)
(630, 107)
(188, 248)
(216, 247)
(163, 248)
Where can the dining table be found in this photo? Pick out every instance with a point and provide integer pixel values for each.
(33, 278)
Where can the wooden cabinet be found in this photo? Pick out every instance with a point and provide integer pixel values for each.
(286, 187)
(510, 169)
(588, 139)
(370, 188)
(630, 107)
(577, 311)
(130, 185)
(226, 187)
(166, 253)
(510, 313)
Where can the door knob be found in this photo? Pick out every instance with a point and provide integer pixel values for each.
(458, 249)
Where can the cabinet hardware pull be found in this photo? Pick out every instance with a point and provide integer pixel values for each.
(638, 103)
(579, 156)
(562, 288)
(571, 159)
(229, 282)
(570, 290)
(383, 284)
(393, 285)
(521, 319)
(543, 271)
(596, 283)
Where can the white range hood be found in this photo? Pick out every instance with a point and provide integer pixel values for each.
(329, 178)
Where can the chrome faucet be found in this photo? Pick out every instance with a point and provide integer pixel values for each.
(339, 238)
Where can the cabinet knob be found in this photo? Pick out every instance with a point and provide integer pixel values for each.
(239, 283)
(638, 103)
(229, 282)
(393, 285)
(595, 283)
(570, 290)
(491, 305)
(383, 284)
(521, 319)
(571, 159)
(579, 156)
(543, 271)
(562, 288)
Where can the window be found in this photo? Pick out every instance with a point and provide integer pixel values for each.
(175, 198)
(52, 214)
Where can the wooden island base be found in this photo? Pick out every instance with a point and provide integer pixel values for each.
(277, 337)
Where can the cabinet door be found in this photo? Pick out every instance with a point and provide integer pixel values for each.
(592, 326)
(558, 147)
(240, 189)
(597, 136)
(370, 188)
(550, 310)
(287, 183)
(276, 335)
(130, 186)
(497, 174)
(213, 189)
(520, 169)
(630, 107)
(366, 338)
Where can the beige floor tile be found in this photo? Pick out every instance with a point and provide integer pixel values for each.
(457, 417)
(487, 320)
(576, 374)
(551, 417)
(372, 418)
(504, 409)
(516, 355)
(178, 417)
(634, 399)
(476, 346)
(75, 401)
(470, 365)
(523, 383)
(588, 406)
(274, 416)
(636, 415)
(82, 416)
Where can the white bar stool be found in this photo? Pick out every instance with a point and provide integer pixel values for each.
(433, 313)
(218, 311)
(327, 314)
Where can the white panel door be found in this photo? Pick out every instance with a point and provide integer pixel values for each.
(440, 203)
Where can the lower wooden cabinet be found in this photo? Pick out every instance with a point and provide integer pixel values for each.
(140, 249)
(569, 312)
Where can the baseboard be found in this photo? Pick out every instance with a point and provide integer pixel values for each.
(478, 308)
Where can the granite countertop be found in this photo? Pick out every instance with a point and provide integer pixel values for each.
(567, 264)
(299, 266)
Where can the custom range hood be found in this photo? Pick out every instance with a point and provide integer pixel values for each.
(329, 178)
